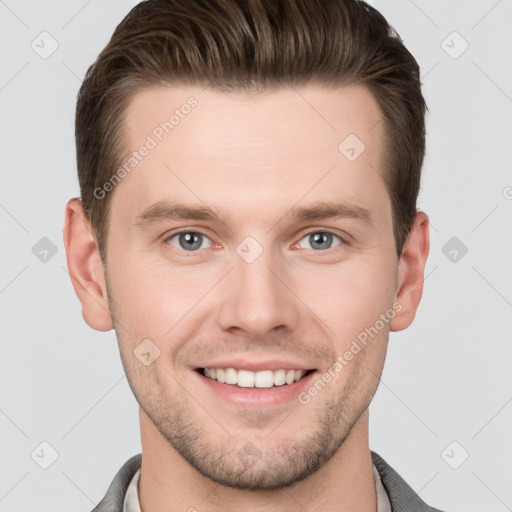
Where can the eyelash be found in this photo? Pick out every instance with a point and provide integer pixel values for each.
(342, 239)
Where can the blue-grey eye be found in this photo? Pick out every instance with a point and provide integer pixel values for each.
(320, 240)
(188, 240)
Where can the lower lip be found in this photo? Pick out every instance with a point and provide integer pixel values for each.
(257, 397)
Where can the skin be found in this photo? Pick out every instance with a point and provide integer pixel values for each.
(251, 158)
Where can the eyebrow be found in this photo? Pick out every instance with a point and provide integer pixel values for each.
(171, 210)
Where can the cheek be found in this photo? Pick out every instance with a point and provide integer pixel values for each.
(152, 296)
(350, 297)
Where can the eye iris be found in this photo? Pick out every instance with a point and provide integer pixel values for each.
(190, 240)
(320, 238)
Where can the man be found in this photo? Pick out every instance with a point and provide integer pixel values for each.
(247, 224)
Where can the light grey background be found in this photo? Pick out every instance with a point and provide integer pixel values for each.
(447, 378)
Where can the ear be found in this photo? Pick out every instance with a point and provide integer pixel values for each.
(85, 267)
(411, 268)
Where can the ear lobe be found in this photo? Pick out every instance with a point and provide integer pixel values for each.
(85, 267)
(411, 271)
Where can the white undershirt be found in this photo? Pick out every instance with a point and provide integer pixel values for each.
(131, 500)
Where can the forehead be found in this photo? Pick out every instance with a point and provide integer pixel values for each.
(237, 150)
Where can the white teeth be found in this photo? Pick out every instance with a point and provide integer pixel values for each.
(264, 379)
(221, 375)
(279, 377)
(248, 379)
(231, 376)
(245, 379)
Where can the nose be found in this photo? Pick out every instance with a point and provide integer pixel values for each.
(256, 298)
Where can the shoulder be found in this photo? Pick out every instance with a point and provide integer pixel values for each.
(401, 495)
(114, 498)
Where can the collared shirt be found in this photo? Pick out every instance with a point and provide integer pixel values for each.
(131, 500)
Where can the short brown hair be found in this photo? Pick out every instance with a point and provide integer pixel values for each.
(252, 45)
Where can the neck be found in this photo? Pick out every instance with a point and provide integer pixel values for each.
(169, 483)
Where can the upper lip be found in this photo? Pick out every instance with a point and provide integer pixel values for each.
(257, 366)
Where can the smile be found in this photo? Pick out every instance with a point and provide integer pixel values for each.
(248, 379)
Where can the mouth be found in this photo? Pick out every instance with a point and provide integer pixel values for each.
(260, 380)
(257, 390)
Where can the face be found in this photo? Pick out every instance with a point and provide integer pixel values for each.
(253, 235)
